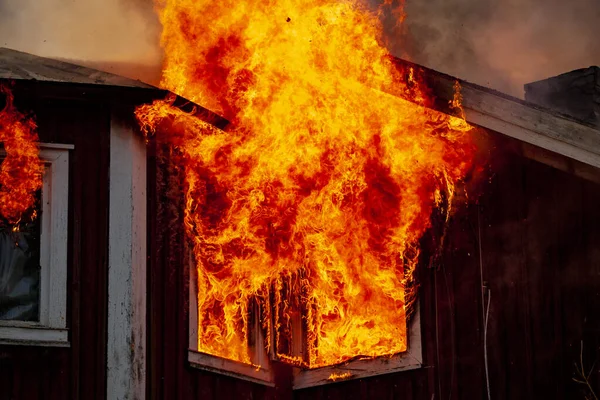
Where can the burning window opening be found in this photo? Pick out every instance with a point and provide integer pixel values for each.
(309, 207)
(340, 377)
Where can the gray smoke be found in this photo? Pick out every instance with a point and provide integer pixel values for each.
(501, 44)
(120, 36)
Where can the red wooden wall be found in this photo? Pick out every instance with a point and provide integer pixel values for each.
(539, 230)
(77, 372)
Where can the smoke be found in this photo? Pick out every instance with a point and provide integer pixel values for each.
(121, 36)
(501, 44)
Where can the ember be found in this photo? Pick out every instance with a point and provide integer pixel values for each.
(339, 377)
(313, 200)
(21, 171)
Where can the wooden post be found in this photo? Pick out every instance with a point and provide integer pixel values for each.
(126, 348)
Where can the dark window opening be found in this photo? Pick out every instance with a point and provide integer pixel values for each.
(20, 267)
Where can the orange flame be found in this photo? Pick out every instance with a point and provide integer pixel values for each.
(313, 200)
(21, 171)
(339, 377)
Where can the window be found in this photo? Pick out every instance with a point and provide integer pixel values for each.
(410, 359)
(261, 354)
(33, 263)
(258, 371)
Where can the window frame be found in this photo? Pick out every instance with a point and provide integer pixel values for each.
(258, 374)
(51, 329)
(412, 358)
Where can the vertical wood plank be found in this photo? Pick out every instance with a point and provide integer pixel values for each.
(126, 349)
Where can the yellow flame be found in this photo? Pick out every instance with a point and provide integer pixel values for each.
(21, 170)
(340, 377)
(314, 199)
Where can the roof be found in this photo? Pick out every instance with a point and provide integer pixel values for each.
(576, 93)
(16, 65)
(527, 122)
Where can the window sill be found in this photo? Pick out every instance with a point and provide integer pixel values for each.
(31, 335)
(355, 370)
(305, 378)
(235, 369)
(410, 359)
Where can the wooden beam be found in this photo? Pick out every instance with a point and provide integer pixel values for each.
(565, 164)
(531, 125)
(513, 117)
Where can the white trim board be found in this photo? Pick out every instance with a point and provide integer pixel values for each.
(126, 347)
(532, 125)
(54, 248)
(34, 336)
(513, 117)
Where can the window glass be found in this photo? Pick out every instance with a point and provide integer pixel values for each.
(20, 268)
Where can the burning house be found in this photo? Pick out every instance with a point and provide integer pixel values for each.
(312, 218)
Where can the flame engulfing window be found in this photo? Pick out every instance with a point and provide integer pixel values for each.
(260, 350)
(305, 213)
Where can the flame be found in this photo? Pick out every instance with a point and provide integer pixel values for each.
(339, 377)
(21, 171)
(313, 200)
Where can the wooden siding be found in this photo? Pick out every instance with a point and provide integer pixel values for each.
(539, 230)
(77, 372)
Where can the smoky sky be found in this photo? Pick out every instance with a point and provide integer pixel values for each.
(121, 31)
(501, 44)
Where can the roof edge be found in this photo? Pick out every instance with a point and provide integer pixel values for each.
(17, 65)
(513, 117)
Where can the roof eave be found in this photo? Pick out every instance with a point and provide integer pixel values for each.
(515, 118)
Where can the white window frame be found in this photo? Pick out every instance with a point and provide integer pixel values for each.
(412, 358)
(51, 329)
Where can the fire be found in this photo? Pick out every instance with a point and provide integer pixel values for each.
(311, 203)
(339, 377)
(21, 170)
